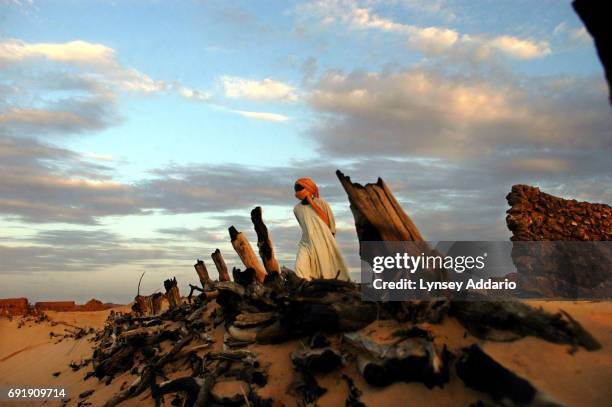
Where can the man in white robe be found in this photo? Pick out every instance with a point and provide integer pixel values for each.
(318, 253)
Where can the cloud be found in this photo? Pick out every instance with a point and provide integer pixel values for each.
(272, 117)
(518, 48)
(75, 250)
(42, 183)
(64, 117)
(578, 35)
(263, 90)
(208, 98)
(132, 80)
(309, 68)
(73, 90)
(77, 52)
(99, 64)
(428, 114)
(582, 35)
(432, 39)
(196, 94)
(212, 188)
(429, 40)
(90, 93)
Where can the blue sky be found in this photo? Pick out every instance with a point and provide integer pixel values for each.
(133, 133)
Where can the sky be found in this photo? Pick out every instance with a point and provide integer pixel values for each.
(134, 133)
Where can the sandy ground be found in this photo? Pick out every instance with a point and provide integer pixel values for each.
(29, 357)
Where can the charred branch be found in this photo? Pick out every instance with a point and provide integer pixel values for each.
(221, 266)
(202, 272)
(264, 242)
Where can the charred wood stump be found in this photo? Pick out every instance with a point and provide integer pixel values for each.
(380, 218)
(172, 293)
(378, 215)
(264, 242)
(200, 268)
(244, 277)
(245, 252)
(148, 305)
(142, 305)
(221, 266)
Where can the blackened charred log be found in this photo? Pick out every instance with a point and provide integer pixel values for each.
(244, 278)
(190, 386)
(321, 360)
(172, 293)
(485, 320)
(264, 242)
(481, 372)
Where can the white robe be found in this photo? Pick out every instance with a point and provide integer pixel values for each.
(318, 254)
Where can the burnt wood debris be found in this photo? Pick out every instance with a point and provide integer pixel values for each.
(266, 304)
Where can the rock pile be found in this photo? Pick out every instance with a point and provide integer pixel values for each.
(535, 215)
(561, 247)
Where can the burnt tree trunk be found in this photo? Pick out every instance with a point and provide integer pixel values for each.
(378, 215)
(264, 242)
(147, 305)
(221, 266)
(143, 305)
(172, 293)
(380, 218)
(200, 268)
(246, 253)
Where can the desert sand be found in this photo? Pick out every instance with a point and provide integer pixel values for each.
(29, 357)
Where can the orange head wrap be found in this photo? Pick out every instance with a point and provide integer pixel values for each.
(311, 190)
